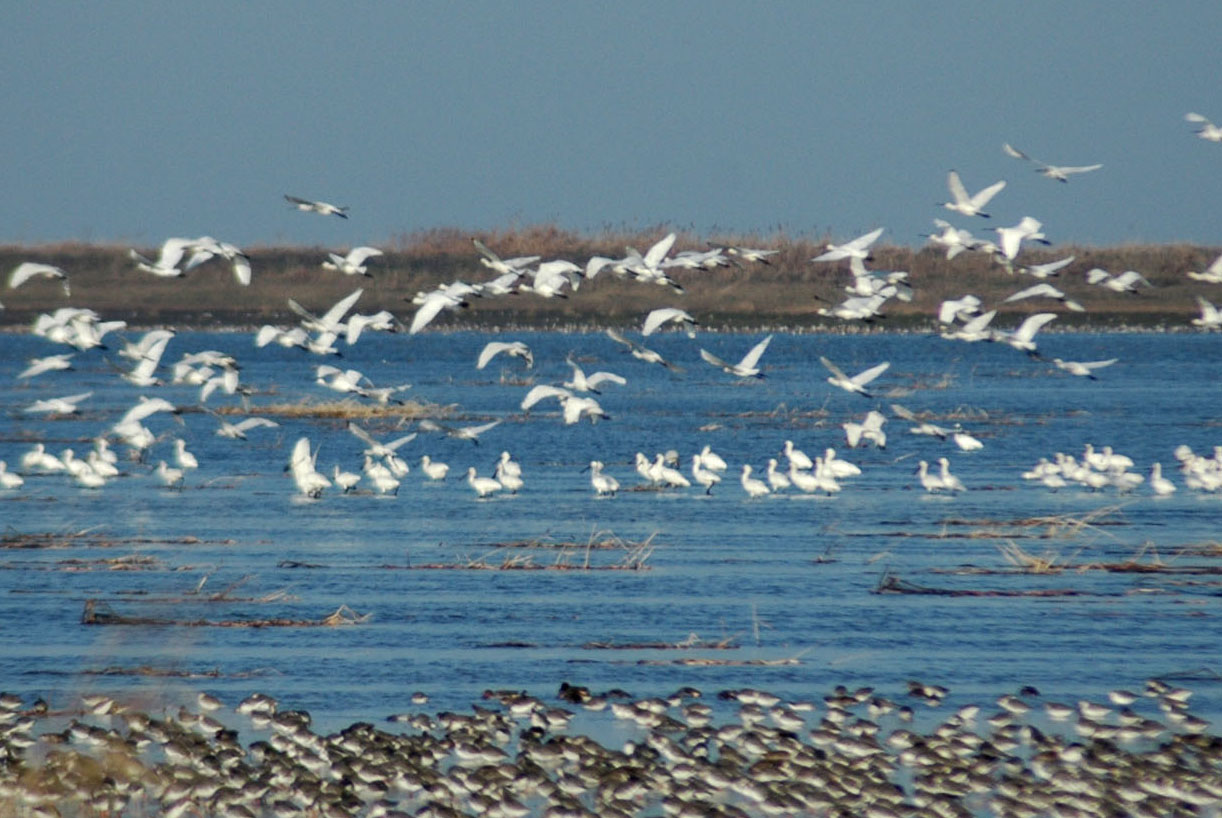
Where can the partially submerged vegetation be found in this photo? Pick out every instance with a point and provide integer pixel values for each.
(783, 293)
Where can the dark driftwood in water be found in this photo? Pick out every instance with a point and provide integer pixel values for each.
(99, 613)
(891, 584)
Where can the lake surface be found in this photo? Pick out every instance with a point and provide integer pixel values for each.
(783, 577)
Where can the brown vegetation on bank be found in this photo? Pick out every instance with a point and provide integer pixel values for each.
(784, 293)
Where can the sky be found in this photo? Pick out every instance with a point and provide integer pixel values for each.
(129, 122)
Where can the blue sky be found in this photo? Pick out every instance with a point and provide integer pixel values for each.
(133, 121)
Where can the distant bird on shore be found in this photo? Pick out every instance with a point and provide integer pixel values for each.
(322, 208)
(1061, 173)
(1208, 131)
(970, 205)
(32, 269)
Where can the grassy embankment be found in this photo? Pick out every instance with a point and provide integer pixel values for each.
(781, 294)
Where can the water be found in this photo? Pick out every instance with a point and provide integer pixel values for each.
(782, 578)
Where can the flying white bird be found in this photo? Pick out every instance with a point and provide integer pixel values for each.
(1208, 131)
(50, 363)
(1211, 275)
(1126, 282)
(958, 309)
(542, 392)
(969, 205)
(1083, 369)
(309, 480)
(430, 305)
(858, 247)
(471, 433)
(1023, 338)
(664, 315)
(322, 208)
(514, 349)
(1061, 173)
(237, 431)
(515, 266)
(1011, 238)
(60, 406)
(581, 382)
(641, 353)
(858, 382)
(870, 429)
(749, 254)
(332, 320)
(1210, 318)
(352, 264)
(1045, 290)
(748, 367)
(375, 448)
(1045, 270)
(30, 269)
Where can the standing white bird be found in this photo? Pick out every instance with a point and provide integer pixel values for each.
(353, 263)
(182, 458)
(483, 486)
(322, 208)
(666, 475)
(169, 476)
(969, 205)
(797, 457)
(1061, 173)
(1159, 484)
(30, 269)
(604, 484)
(858, 248)
(508, 472)
(8, 479)
(346, 480)
(711, 460)
(753, 486)
(776, 479)
(949, 481)
(858, 382)
(433, 469)
(704, 476)
(930, 482)
(748, 367)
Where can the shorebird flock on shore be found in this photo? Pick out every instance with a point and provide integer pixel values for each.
(744, 752)
(963, 318)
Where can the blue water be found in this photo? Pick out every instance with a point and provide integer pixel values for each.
(783, 577)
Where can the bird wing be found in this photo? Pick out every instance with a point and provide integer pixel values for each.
(863, 378)
(297, 201)
(426, 313)
(982, 198)
(542, 391)
(485, 252)
(1097, 275)
(752, 358)
(605, 377)
(1099, 364)
(832, 368)
(1010, 150)
(490, 351)
(614, 335)
(862, 242)
(1033, 292)
(473, 432)
(363, 436)
(1132, 277)
(957, 191)
(659, 250)
(1076, 169)
(359, 255)
(713, 359)
(332, 316)
(241, 270)
(659, 317)
(903, 412)
(254, 423)
(1032, 325)
(1192, 116)
(399, 441)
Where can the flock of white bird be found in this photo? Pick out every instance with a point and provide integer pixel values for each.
(964, 319)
